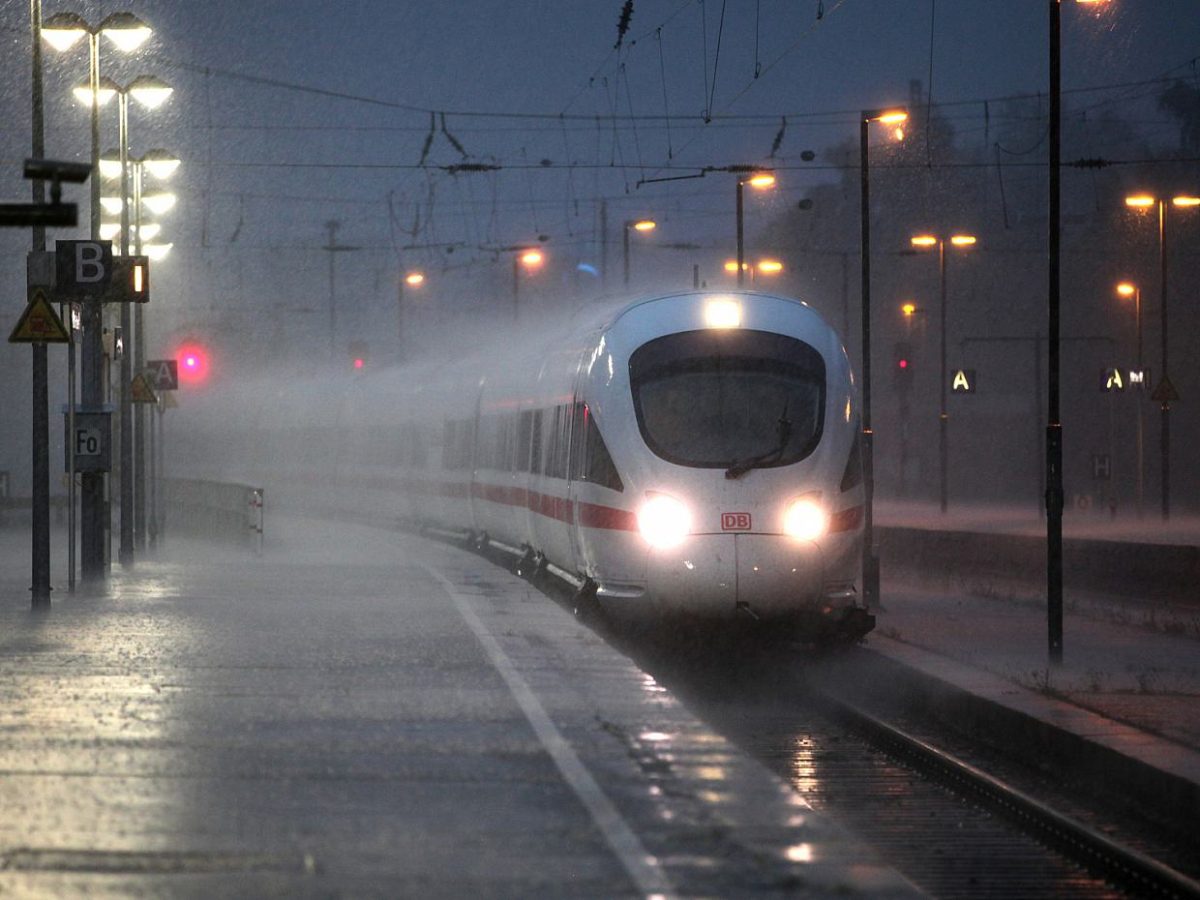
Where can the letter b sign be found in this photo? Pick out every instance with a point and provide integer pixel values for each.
(82, 268)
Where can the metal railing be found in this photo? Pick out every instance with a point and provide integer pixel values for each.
(213, 510)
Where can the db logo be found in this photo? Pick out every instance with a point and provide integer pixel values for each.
(735, 521)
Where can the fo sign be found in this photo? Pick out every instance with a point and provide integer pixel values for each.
(90, 441)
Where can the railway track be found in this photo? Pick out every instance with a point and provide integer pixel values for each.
(944, 819)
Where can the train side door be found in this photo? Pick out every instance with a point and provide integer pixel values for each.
(575, 430)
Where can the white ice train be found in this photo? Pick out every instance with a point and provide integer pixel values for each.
(693, 454)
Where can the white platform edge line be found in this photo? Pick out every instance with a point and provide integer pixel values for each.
(642, 867)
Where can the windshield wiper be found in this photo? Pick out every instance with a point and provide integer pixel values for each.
(740, 468)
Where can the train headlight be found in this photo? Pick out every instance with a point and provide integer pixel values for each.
(805, 520)
(664, 521)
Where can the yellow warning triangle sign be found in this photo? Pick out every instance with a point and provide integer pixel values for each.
(39, 324)
(141, 391)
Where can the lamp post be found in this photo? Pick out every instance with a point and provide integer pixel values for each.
(640, 225)
(127, 32)
(530, 259)
(870, 559)
(412, 279)
(160, 164)
(759, 180)
(333, 247)
(151, 93)
(1164, 392)
(39, 556)
(1128, 289)
(922, 241)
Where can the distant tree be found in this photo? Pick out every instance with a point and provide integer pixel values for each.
(1183, 103)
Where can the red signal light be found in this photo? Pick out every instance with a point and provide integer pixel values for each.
(902, 363)
(359, 362)
(193, 363)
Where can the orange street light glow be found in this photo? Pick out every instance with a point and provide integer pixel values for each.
(1140, 201)
(531, 258)
(770, 266)
(1186, 201)
(894, 117)
(414, 278)
(1125, 289)
(761, 180)
(924, 240)
(909, 309)
(963, 240)
(645, 225)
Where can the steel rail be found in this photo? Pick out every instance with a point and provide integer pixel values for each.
(1100, 855)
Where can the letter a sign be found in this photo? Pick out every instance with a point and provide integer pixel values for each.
(82, 268)
(963, 381)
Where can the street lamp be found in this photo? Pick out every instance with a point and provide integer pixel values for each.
(531, 260)
(642, 225)
(127, 33)
(870, 561)
(762, 267)
(1164, 392)
(151, 93)
(413, 279)
(1128, 289)
(926, 241)
(761, 181)
(159, 164)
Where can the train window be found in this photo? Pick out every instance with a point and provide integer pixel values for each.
(591, 460)
(524, 441)
(729, 397)
(556, 451)
(535, 442)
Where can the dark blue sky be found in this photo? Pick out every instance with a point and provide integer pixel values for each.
(289, 114)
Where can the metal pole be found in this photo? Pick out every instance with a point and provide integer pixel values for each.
(625, 243)
(1141, 475)
(332, 225)
(400, 317)
(870, 559)
(162, 472)
(152, 525)
(93, 508)
(943, 418)
(40, 549)
(125, 550)
(1165, 440)
(516, 288)
(1054, 483)
(741, 256)
(139, 362)
(604, 244)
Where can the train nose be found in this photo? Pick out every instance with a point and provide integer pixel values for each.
(713, 574)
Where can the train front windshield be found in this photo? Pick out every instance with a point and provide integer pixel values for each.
(729, 398)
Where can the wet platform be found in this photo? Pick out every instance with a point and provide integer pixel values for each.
(361, 713)
(1126, 695)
